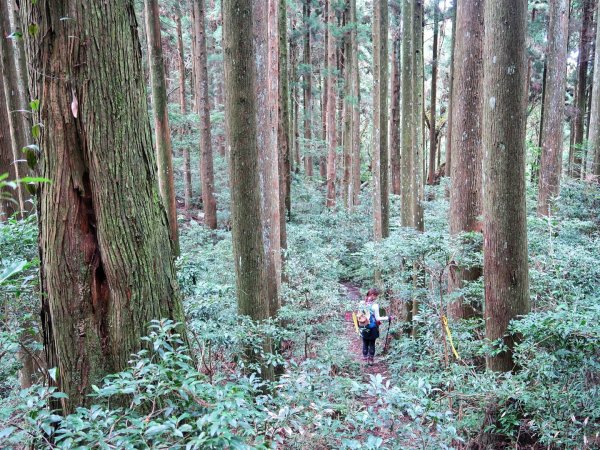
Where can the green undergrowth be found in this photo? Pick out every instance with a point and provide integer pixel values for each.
(207, 397)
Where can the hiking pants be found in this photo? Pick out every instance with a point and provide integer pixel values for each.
(368, 347)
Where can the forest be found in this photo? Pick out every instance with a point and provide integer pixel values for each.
(300, 224)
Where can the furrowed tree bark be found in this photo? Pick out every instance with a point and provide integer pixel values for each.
(307, 78)
(432, 107)
(106, 257)
(187, 174)
(241, 113)
(207, 177)
(583, 58)
(505, 232)
(554, 100)
(9, 199)
(331, 106)
(267, 98)
(356, 110)
(406, 160)
(395, 117)
(285, 179)
(450, 105)
(467, 115)
(162, 132)
(594, 137)
(376, 163)
(15, 101)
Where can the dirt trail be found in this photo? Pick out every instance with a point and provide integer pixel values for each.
(379, 365)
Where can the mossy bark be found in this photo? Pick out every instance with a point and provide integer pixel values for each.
(240, 111)
(106, 259)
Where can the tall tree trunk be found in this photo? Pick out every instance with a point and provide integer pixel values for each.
(267, 118)
(356, 109)
(376, 153)
(583, 58)
(505, 244)
(241, 112)
(594, 137)
(15, 102)
(418, 106)
(432, 107)
(467, 115)
(406, 160)
(347, 135)
(383, 103)
(450, 105)
(331, 106)
(395, 117)
(187, 174)
(285, 199)
(162, 132)
(106, 259)
(207, 177)
(325, 88)
(9, 199)
(307, 78)
(554, 100)
(295, 104)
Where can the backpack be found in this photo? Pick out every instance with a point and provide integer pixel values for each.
(366, 319)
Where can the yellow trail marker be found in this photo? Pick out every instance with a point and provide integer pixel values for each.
(355, 320)
(447, 329)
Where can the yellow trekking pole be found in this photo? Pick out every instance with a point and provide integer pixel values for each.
(355, 320)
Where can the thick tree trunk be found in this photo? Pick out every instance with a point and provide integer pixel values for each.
(9, 199)
(432, 107)
(207, 177)
(267, 95)
(106, 259)
(583, 58)
(162, 132)
(376, 153)
(504, 211)
(331, 106)
(285, 199)
(467, 115)
(241, 112)
(187, 174)
(450, 105)
(356, 110)
(594, 136)
(395, 117)
(406, 160)
(307, 78)
(15, 101)
(554, 100)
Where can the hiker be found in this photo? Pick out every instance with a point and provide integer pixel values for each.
(369, 321)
